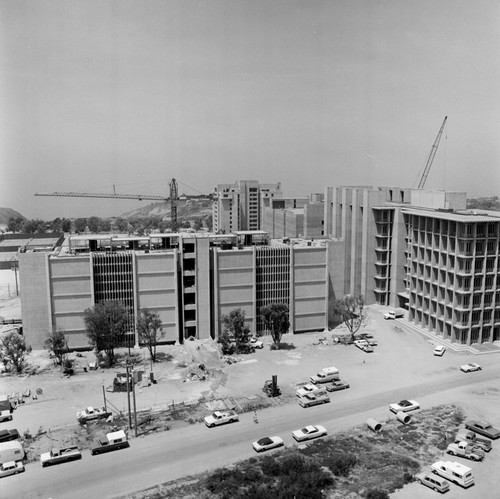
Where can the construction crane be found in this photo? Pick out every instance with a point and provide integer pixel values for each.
(141, 197)
(430, 159)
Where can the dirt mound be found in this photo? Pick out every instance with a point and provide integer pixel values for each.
(204, 352)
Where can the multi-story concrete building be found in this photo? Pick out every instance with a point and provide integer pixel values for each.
(238, 206)
(421, 250)
(294, 217)
(190, 280)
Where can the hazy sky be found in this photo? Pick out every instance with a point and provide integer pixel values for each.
(309, 93)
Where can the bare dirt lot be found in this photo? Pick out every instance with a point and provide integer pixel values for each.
(184, 393)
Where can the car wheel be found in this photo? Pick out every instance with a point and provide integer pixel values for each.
(435, 489)
(449, 452)
(211, 425)
(473, 458)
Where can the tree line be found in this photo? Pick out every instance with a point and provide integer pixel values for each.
(97, 225)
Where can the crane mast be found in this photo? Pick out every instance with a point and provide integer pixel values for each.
(430, 159)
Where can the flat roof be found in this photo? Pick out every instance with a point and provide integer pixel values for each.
(464, 216)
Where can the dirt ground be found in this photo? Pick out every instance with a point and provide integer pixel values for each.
(184, 392)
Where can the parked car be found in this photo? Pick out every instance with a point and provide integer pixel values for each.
(56, 456)
(467, 368)
(433, 481)
(336, 386)
(267, 443)
(92, 414)
(394, 314)
(11, 468)
(307, 389)
(483, 428)
(221, 417)
(309, 432)
(363, 345)
(256, 343)
(109, 442)
(439, 350)
(404, 406)
(369, 338)
(466, 450)
(7, 435)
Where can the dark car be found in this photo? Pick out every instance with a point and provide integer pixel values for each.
(7, 435)
(336, 386)
(483, 428)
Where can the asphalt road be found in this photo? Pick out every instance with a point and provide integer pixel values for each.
(189, 450)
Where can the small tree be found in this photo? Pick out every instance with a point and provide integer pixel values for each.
(351, 311)
(13, 351)
(276, 319)
(57, 344)
(150, 331)
(234, 325)
(106, 323)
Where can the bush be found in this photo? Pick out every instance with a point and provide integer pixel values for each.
(377, 494)
(340, 464)
(270, 466)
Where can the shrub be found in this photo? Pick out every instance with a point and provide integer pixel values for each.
(340, 464)
(377, 494)
(270, 466)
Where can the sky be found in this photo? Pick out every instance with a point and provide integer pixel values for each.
(309, 93)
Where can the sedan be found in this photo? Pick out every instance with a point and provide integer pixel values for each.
(467, 368)
(309, 432)
(11, 468)
(336, 386)
(483, 428)
(267, 443)
(306, 389)
(404, 406)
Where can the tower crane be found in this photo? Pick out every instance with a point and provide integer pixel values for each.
(141, 197)
(430, 159)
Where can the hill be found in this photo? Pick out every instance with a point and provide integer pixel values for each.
(186, 209)
(8, 213)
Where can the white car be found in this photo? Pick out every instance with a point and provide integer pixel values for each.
(439, 350)
(267, 443)
(11, 468)
(363, 345)
(306, 389)
(467, 368)
(221, 417)
(309, 432)
(256, 343)
(404, 406)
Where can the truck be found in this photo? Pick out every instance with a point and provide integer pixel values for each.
(394, 314)
(6, 408)
(467, 450)
(11, 451)
(325, 375)
(455, 472)
(56, 456)
(472, 438)
(92, 414)
(109, 442)
(221, 417)
(314, 398)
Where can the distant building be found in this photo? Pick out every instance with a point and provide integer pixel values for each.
(190, 280)
(420, 250)
(294, 217)
(238, 206)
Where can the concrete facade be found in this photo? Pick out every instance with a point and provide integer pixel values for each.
(190, 280)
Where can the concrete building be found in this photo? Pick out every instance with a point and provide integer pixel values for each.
(238, 206)
(420, 250)
(190, 280)
(294, 217)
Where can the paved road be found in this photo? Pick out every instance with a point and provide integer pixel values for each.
(170, 455)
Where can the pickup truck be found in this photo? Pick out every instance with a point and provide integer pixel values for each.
(221, 417)
(472, 438)
(112, 441)
(464, 449)
(92, 414)
(56, 456)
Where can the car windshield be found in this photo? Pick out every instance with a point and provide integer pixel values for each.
(264, 441)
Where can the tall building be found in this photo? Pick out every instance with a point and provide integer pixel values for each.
(238, 206)
(190, 280)
(421, 250)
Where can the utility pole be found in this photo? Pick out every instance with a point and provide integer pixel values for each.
(135, 408)
(128, 397)
(104, 395)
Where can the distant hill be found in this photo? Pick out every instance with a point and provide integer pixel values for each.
(186, 209)
(7, 213)
(491, 203)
